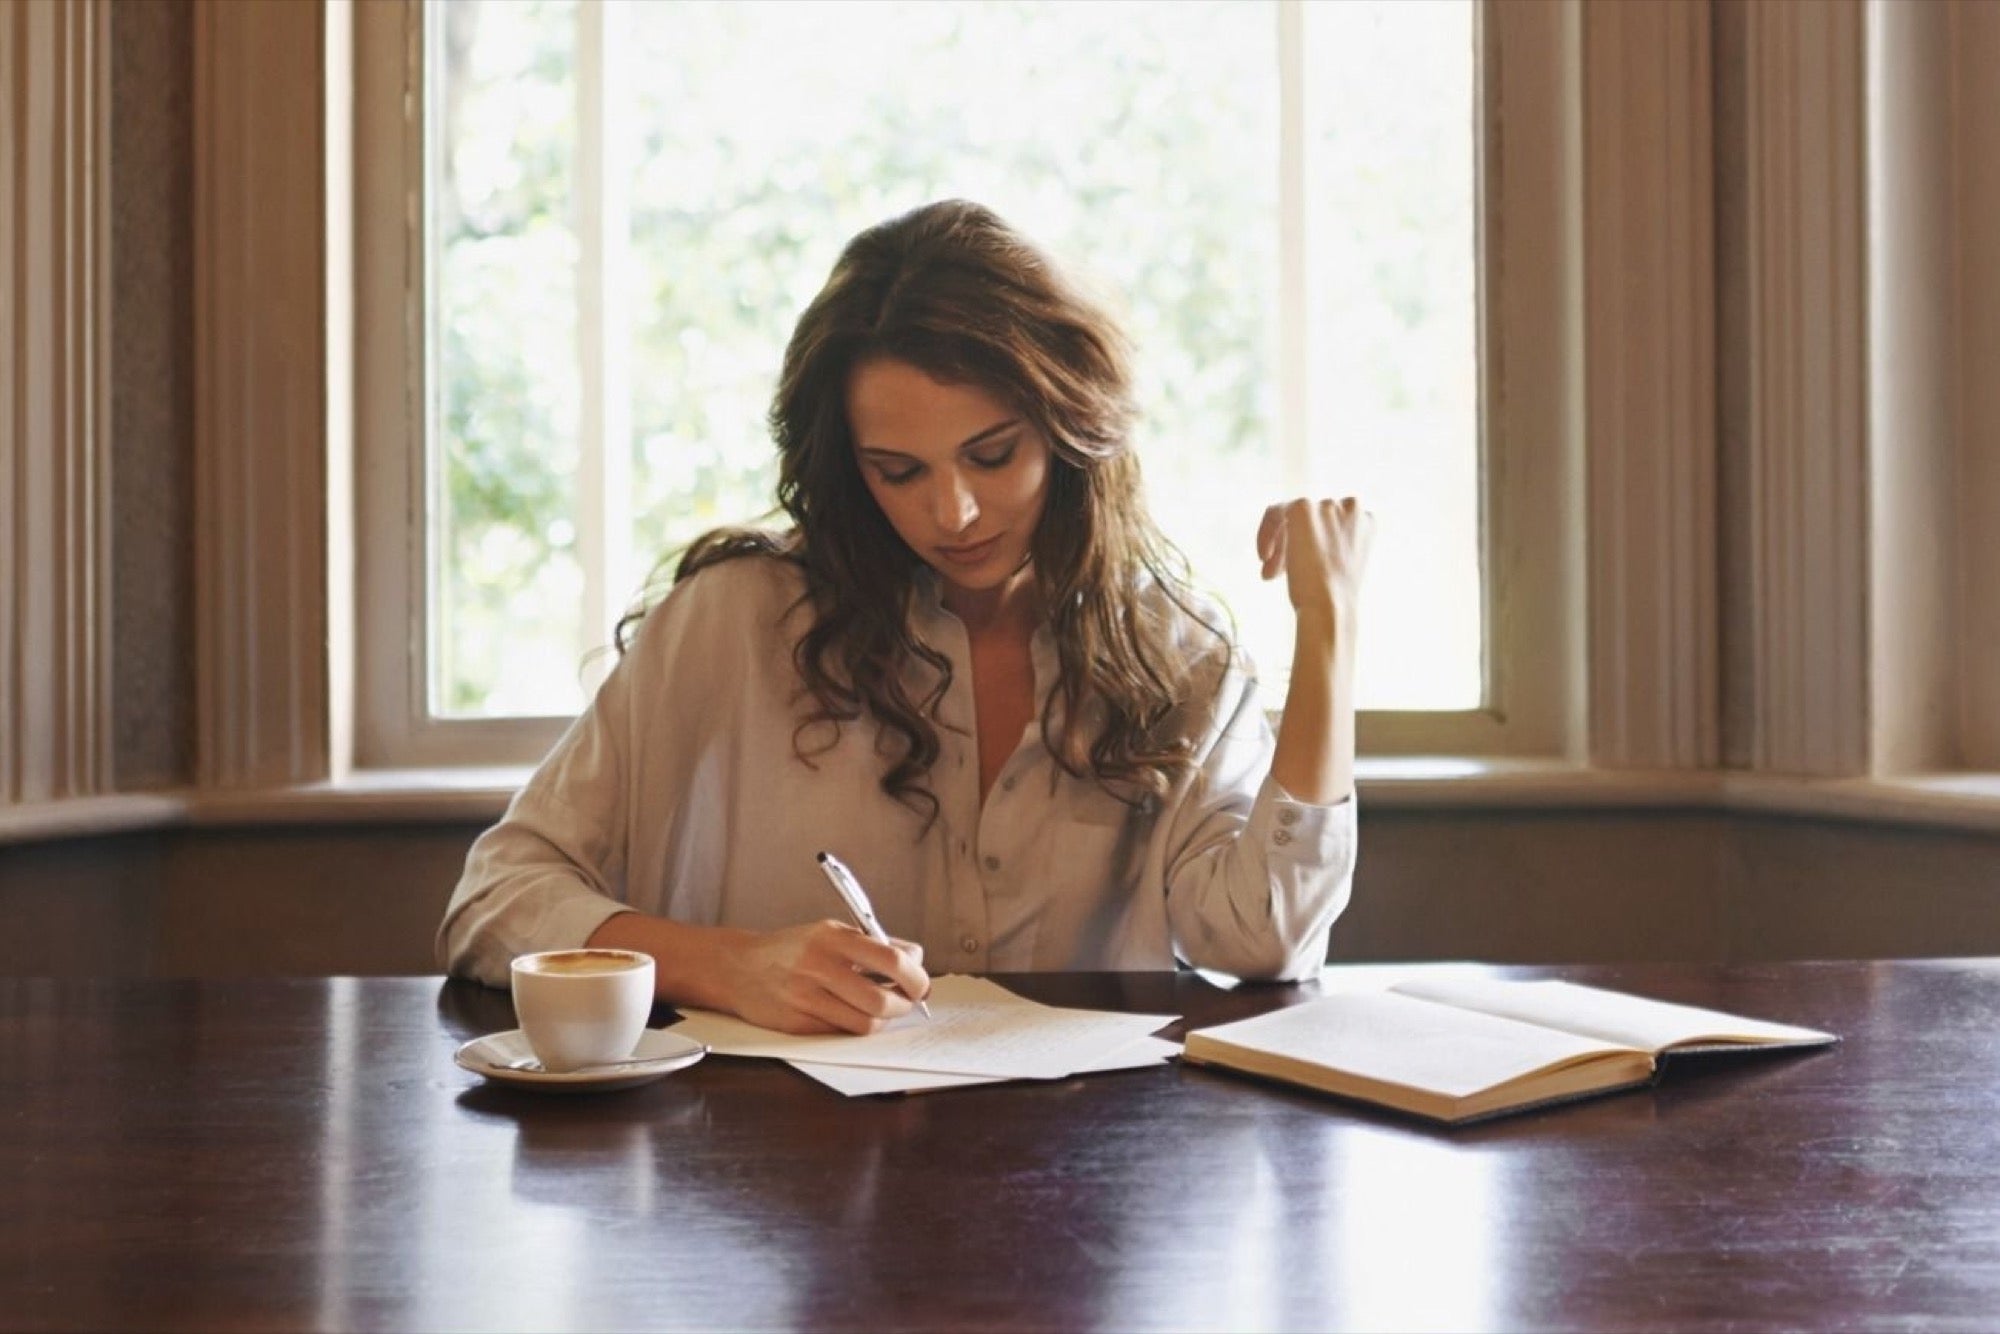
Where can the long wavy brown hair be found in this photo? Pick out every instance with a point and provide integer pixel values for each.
(952, 290)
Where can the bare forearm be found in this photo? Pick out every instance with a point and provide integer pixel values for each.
(816, 977)
(691, 963)
(1314, 759)
(1322, 548)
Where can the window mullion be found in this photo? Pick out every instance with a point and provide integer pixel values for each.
(1294, 385)
(603, 223)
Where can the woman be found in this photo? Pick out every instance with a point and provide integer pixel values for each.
(967, 670)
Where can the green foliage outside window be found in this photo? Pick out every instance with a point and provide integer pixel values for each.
(1139, 142)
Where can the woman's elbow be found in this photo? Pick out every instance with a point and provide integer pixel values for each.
(1265, 957)
(461, 950)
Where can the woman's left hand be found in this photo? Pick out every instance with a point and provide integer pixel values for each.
(1322, 548)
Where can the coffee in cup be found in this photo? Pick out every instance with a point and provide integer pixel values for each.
(582, 1007)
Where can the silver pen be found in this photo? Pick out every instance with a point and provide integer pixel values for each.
(856, 899)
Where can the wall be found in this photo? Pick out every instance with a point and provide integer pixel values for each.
(152, 394)
(1549, 886)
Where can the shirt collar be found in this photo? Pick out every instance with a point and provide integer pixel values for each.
(929, 615)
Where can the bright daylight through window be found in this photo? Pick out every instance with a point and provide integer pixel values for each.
(629, 204)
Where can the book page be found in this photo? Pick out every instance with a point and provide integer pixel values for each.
(1403, 1040)
(1613, 1016)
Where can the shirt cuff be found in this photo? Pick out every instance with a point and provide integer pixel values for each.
(1301, 831)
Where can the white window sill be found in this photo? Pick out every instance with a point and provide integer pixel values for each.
(390, 796)
(1964, 801)
(85, 817)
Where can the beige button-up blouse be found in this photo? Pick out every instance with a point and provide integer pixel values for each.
(678, 792)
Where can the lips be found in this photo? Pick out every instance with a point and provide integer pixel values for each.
(973, 553)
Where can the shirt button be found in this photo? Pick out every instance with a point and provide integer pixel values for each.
(1288, 815)
(970, 944)
(992, 863)
(1282, 837)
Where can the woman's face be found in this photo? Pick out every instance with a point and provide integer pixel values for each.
(960, 474)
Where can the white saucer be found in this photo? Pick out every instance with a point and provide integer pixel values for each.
(658, 1053)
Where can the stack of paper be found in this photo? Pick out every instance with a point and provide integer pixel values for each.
(979, 1032)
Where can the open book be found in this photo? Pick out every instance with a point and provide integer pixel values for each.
(1458, 1049)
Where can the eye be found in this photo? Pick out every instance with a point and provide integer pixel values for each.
(896, 477)
(998, 458)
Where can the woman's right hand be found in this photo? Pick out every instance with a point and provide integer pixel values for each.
(824, 977)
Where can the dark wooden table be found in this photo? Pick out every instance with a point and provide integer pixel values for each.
(278, 1154)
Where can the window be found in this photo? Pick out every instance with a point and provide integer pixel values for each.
(1601, 131)
(627, 205)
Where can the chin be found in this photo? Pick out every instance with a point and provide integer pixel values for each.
(988, 577)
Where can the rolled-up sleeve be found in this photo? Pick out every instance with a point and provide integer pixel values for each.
(1255, 879)
(552, 870)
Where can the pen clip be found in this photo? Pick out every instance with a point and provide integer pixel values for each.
(851, 894)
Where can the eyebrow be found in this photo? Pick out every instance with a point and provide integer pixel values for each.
(979, 439)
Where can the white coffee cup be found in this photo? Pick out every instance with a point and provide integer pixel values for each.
(583, 1007)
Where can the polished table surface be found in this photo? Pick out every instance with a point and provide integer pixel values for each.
(304, 1153)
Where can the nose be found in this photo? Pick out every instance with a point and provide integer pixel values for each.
(955, 507)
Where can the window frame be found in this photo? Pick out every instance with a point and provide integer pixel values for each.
(1931, 320)
(1974, 47)
(1528, 446)
(393, 727)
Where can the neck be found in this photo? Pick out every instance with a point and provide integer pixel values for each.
(1007, 606)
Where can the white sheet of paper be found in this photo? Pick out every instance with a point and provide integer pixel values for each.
(858, 1081)
(976, 1028)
